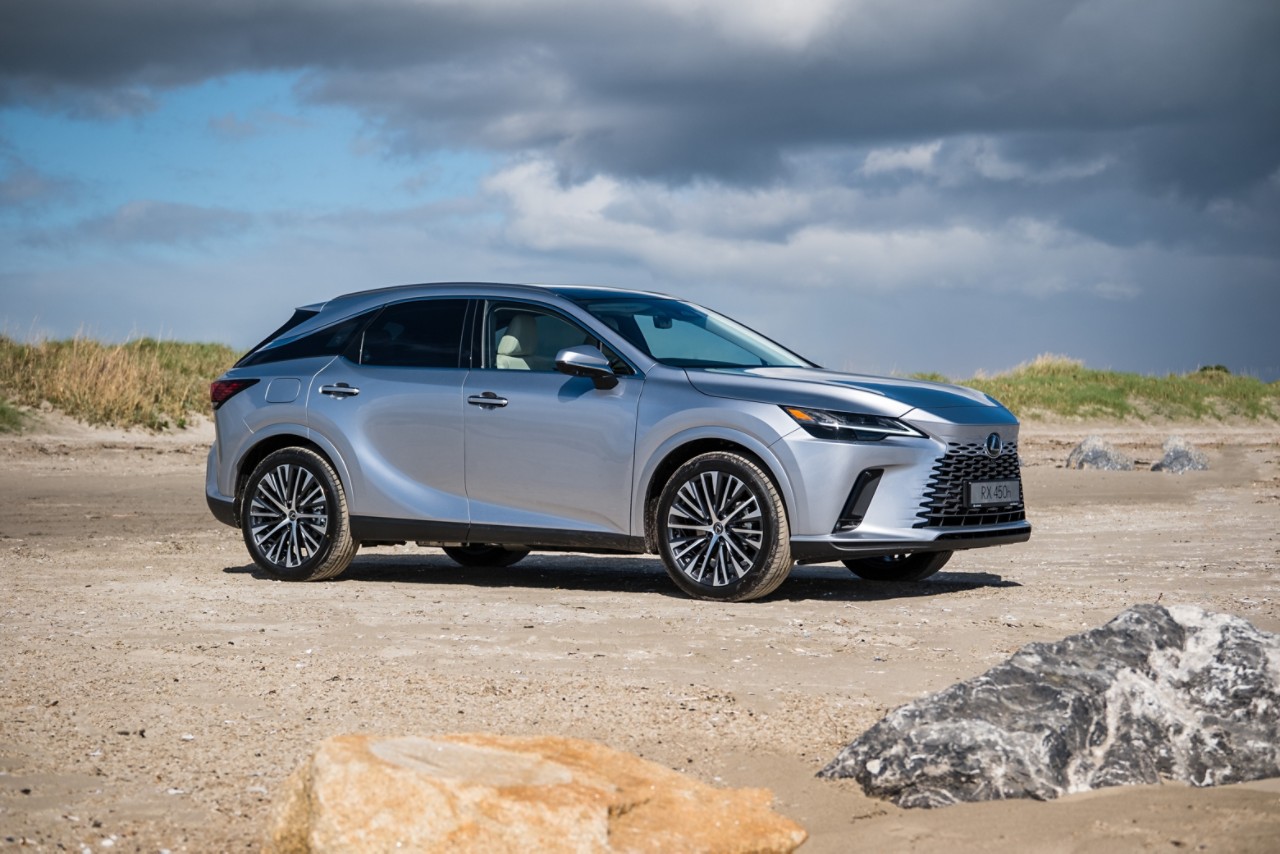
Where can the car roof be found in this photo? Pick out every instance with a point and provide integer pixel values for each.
(375, 296)
(591, 292)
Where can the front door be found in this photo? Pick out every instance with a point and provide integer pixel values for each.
(543, 449)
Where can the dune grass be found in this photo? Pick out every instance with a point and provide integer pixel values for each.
(1058, 386)
(141, 383)
(160, 384)
(11, 418)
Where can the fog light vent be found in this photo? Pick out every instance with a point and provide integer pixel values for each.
(855, 506)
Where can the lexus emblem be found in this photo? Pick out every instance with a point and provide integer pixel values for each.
(994, 445)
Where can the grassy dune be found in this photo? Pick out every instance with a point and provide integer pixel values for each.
(1057, 386)
(142, 383)
(11, 418)
(160, 384)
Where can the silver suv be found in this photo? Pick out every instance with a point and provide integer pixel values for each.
(491, 420)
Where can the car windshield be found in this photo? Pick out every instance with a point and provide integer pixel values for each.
(687, 336)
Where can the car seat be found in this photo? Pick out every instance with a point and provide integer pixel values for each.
(518, 344)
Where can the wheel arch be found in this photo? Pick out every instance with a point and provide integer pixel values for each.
(679, 451)
(268, 445)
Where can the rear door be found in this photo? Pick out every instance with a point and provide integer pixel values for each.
(392, 405)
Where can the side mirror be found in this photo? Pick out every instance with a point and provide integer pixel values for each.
(586, 361)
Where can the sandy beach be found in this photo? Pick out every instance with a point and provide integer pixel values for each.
(156, 688)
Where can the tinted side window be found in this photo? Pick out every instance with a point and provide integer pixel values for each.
(299, 316)
(329, 341)
(419, 334)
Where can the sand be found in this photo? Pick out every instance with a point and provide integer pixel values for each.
(155, 688)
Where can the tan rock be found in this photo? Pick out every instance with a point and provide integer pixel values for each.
(488, 793)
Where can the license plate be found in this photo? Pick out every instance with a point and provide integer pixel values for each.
(992, 492)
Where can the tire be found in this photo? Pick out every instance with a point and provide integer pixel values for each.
(910, 566)
(480, 554)
(722, 529)
(293, 515)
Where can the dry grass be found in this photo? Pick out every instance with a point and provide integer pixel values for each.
(159, 384)
(1056, 386)
(11, 418)
(142, 383)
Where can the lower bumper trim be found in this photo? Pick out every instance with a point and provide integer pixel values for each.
(826, 551)
(223, 511)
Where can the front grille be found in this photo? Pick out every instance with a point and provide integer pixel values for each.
(945, 503)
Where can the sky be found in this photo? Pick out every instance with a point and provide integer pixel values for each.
(938, 185)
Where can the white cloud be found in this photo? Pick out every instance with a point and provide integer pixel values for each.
(791, 25)
(679, 239)
(984, 156)
(914, 158)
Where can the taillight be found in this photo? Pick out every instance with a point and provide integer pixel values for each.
(220, 391)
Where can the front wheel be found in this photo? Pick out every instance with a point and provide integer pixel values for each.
(722, 529)
(909, 566)
(480, 554)
(294, 517)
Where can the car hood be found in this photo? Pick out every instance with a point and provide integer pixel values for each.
(814, 387)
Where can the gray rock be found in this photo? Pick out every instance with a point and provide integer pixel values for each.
(1154, 694)
(1095, 453)
(1181, 456)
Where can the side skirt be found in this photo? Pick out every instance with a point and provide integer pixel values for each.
(375, 529)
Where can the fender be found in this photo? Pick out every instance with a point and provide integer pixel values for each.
(299, 431)
(673, 443)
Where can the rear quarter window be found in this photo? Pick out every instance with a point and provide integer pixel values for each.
(329, 341)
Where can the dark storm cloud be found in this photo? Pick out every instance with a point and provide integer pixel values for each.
(1182, 93)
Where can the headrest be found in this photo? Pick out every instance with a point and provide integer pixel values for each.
(521, 337)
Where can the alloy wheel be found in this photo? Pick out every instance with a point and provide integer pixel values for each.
(715, 528)
(289, 517)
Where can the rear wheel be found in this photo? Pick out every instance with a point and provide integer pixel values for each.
(908, 566)
(722, 529)
(481, 554)
(294, 517)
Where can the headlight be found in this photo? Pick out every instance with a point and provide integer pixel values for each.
(849, 426)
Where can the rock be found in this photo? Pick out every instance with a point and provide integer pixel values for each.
(478, 792)
(1154, 694)
(1095, 453)
(1181, 456)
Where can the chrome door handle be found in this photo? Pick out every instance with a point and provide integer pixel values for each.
(340, 390)
(488, 398)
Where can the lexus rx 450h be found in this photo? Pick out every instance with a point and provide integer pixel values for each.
(491, 420)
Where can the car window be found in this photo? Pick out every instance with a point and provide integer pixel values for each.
(417, 334)
(300, 316)
(329, 341)
(687, 336)
(522, 338)
(678, 340)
